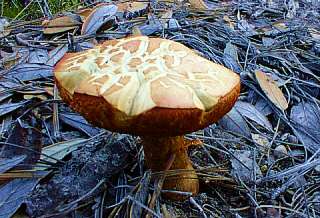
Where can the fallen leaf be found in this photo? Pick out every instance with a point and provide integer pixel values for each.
(305, 118)
(234, 122)
(9, 84)
(280, 25)
(248, 110)
(78, 122)
(268, 41)
(132, 9)
(29, 141)
(31, 92)
(57, 151)
(272, 91)
(276, 27)
(8, 163)
(173, 24)
(154, 25)
(5, 93)
(9, 60)
(244, 166)
(200, 4)
(84, 13)
(38, 56)
(86, 45)
(97, 18)
(60, 24)
(149, 29)
(315, 34)
(263, 107)
(9, 107)
(230, 58)
(13, 194)
(56, 54)
(280, 151)
(28, 71)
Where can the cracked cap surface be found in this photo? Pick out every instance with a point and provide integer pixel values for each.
(135, 78)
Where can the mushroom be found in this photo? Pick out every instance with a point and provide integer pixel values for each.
(154, 88)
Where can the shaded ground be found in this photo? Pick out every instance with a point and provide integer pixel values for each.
(260, 160)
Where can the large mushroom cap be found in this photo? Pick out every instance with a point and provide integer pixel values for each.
(146, 86)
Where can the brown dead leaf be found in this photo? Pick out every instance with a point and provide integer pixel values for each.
(199, 4)
(60, 24)
(271, 89)
(132, 7)
(99, 18)
(84, 13)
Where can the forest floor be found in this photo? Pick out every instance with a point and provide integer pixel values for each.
(260, 160)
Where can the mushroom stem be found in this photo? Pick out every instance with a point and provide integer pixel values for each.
(158, 151)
